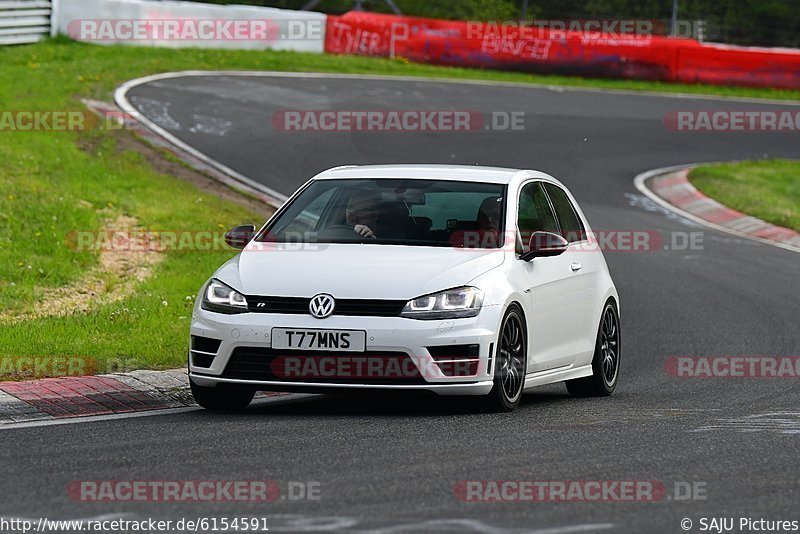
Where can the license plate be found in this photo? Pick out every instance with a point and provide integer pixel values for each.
(338, 340)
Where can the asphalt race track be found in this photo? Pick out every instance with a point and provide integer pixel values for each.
(391, 465)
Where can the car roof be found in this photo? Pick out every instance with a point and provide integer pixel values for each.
(468, 173)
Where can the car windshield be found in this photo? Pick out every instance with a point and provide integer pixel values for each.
(413, 212)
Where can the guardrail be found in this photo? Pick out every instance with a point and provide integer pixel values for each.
(25, 21)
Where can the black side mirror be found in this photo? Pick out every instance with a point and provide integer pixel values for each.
(545, 244)
(240, 236)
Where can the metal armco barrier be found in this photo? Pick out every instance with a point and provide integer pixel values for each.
(24, 21)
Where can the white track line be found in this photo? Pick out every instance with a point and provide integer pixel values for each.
(557, 88)
(121, 98)
(148, 413)
(639, 183)
(92, 418)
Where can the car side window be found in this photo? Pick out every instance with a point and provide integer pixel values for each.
(572, 228)
(534, 214)
(308, 219)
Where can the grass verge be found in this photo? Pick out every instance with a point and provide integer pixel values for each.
(55, 183)
(768, 189)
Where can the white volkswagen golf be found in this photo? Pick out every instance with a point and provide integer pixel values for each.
(451, 279)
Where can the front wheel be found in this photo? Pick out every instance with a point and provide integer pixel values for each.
(222, 398)
(510, 362)
(605, 364)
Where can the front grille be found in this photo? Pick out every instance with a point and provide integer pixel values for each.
(203, 350)
(456, 360)
(202, 360)
(375, 367)
(205, 344)
(459, 368)
(454, 352)
(351, 307)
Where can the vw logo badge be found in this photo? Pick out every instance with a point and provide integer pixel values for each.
(321, 306)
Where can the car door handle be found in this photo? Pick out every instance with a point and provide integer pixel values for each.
(576, 267)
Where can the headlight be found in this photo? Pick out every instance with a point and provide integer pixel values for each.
(450, 304)
(222, 299)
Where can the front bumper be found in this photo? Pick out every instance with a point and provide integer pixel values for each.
(252, 331)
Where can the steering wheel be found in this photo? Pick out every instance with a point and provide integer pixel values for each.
(342, 231)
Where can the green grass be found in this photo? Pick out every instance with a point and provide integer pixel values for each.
(76, 191)
(51, 186)
(769, 189)
(95, 71)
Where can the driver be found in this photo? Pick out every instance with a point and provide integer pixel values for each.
(489, 214)
(362, 212)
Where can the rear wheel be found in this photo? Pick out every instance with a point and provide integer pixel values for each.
(222, 398)
(510, 362)
(605, 364)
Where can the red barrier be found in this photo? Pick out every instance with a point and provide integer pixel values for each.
(539, 49)
(734, 65)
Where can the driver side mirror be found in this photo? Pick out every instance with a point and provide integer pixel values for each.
(240, 236)
(545, 244)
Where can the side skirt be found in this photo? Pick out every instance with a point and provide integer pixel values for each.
(559, 374)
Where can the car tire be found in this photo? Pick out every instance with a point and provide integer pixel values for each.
(605, 364)
(222, 398)
(511, 358)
